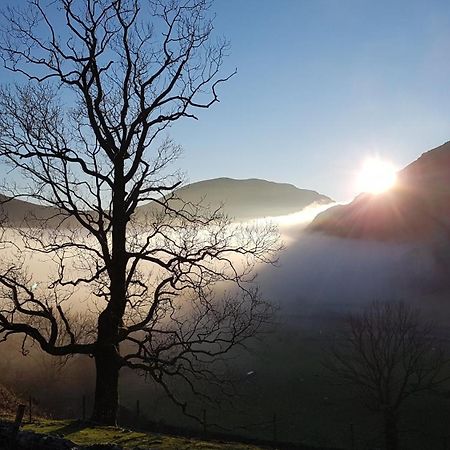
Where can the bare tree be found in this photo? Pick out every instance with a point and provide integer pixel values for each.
(103, 81)
(388, 355)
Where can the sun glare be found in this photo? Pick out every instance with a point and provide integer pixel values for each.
(376, 176)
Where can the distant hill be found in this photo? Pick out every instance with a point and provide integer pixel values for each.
(248, 199)
(21, 213)
(418, 207)
(241, 199)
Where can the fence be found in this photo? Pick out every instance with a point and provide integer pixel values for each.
(271, 431)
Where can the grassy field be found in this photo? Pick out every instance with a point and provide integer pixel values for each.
(84, 434)
(311, 406)
(289, 394)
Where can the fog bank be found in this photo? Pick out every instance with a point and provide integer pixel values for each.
(318, 271)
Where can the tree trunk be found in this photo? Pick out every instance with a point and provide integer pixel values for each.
(106, 402)
(390, 430)
(107, 355)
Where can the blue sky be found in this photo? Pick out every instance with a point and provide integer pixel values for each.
(321, 85)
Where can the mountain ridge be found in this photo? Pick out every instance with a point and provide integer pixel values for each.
(242, 199)
(249, 198)
(416, 208)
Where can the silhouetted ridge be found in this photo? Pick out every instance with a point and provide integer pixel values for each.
(241, 199)
(19, 213)
(250, 198)
(417, 208)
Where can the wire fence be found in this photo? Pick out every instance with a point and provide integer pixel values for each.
(270, 431)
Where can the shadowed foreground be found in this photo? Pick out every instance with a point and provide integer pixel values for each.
(85, 436)
(77, 435)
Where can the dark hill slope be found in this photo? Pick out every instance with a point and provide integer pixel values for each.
(417, 208)
(17, 213)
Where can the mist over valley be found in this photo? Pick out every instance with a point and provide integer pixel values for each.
(318, 280)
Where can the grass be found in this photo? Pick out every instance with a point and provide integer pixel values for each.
(311, 407)
(85, 434)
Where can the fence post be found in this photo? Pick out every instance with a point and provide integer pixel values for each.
(137, 411)
(30, 406)
(16, 426)
(274, 425)
(84, 408)
(352, 437)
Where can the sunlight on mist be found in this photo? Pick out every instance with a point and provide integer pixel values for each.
(304, 216)
(291, 224)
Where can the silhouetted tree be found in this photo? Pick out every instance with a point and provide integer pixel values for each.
(104, 79)
(388, 355)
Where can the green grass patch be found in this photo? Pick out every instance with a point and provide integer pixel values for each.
(85, 434)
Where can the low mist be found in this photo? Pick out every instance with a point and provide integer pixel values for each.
(318, 280)
(317, 272)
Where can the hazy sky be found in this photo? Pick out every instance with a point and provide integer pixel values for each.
(321, 85)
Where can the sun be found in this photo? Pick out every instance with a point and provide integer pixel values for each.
(376, 176)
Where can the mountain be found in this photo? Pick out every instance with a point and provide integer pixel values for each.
(241, 199)
(418, 207)
(22, 213)
(248, 199)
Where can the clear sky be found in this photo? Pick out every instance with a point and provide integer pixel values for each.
(321, 85)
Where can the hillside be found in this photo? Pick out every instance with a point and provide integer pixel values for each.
(20, 213)
(248, 199)
(58, 435)
(241, 199)
(417, 208)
